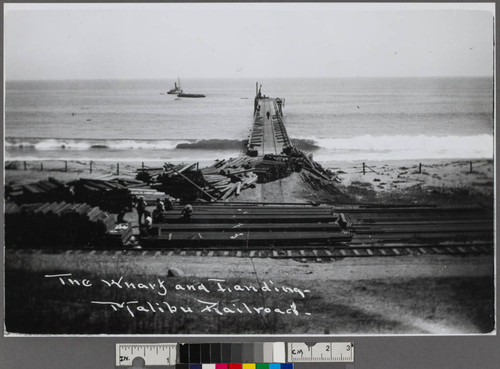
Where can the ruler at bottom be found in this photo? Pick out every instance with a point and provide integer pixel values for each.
(152, 353)
(340, 352)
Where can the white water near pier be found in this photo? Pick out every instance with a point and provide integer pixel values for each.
(335, 119)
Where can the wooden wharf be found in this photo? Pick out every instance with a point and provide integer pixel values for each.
(268, 134)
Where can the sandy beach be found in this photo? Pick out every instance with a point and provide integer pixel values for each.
(439, 182)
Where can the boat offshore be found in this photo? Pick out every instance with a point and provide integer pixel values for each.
(177, 88)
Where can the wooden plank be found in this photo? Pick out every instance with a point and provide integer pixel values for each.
(249, 218)
(225, 227)
(240, 238)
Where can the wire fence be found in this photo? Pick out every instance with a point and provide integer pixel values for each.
(108, 168)
(364, 168)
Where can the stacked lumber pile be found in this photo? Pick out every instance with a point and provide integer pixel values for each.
(129, 183)
(149, 175)
(307, 163)
(62, 225)
(221, 187)
(226, 225)
(273, 167)
(227, 177)
(41, 191)
(149, 194)
(230, 166)
(139, 188)
(109, 195)
(181, 181)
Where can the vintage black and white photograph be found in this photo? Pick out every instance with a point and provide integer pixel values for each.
(249, 169)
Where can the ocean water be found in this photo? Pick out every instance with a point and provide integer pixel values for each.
(335, 119)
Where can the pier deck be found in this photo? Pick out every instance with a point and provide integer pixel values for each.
(268, 135)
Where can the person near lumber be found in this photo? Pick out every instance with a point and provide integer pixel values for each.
(145, 228)
(141, 207)
(187, 213)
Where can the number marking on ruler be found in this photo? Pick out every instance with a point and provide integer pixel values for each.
(342, 352)
(152, 353)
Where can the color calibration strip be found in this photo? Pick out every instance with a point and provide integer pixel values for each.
(233, 356)
(237, 366)
(258, 355)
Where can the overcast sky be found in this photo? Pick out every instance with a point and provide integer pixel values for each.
(245, 40)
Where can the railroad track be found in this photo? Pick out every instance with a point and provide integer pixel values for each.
(319, 254)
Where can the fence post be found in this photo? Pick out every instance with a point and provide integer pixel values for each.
(117, 169)
(420, 167)
(91, 167)
(65, 166)
(143, 166)
(41, 166)
(24, 165)
(470, 166)
(363, 168)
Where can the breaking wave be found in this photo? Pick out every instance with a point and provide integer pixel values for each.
(84, 144)
(212, 144)
(406, 147)
(354, 148)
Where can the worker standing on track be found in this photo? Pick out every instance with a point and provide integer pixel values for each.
(141, 207)
(268, 115)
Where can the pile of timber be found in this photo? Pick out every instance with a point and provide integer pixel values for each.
(62, 225)
(308, 164)
(274, 167)
(129, 183)
(110, 195)
(229, 177)
(183, 181)
(226, 225)
(149, 194)
(149, 175)
(230, 166)
(418, 225)
(317, 183)
(41, 191)
(221, 187)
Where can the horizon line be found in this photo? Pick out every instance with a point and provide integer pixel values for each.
(226, 77)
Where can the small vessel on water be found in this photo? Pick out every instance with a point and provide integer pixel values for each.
(177, 88)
